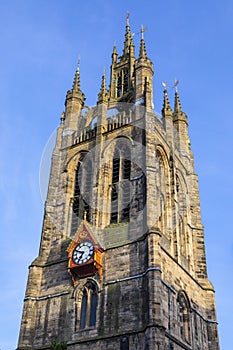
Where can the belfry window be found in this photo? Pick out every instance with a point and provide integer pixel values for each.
(119, 85)
(122, 85)
(120, 197)
(89, 306)
(126, 81)
(82, 193)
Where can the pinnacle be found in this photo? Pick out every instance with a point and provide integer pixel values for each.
(177, 105)
(103, 92)
(76, 83)
(103, 84)
(114, 49)
(128, 38)
(142, 52)
(166, 103)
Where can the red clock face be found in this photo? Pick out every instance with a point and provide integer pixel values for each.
(83, 252)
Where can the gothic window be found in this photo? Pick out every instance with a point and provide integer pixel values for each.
(181, 207)
(83, 316)
(161, 190)
(120, 197)
(184, 316)
(82, 193)
(119, 85)
(126, 81)
(89, 305)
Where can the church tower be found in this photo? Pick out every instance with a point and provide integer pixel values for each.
(121, 263)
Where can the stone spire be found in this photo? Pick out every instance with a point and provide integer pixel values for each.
(102, 96)
(74, 101)
(128, 43)
(177, 105)
(143, 75)
(178, 114)
(142, 52)
(166, 111)
(76, 82)
(114, 54)
(76, 89)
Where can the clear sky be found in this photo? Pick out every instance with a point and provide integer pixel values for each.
(40, 42)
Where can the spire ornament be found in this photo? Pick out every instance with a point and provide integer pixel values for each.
(143, 29)
(178, 114)
(128, 43)
(127, 18)
(166, 104)
(102, 96)
(76, 91)
(142, 51)
(76, 83)
(177, 105)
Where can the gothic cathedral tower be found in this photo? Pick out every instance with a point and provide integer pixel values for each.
(122, 261)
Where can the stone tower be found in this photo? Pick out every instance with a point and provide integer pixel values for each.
(122, 259)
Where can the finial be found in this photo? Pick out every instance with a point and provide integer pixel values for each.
(166, 104)
(143, 29)
(127, 18)
(176, 84)
(76, 83)
(102, 96)
(85, 215)
(164, 85)
(104, 70)
(177, 106)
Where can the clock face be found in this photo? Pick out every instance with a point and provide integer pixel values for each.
(83, 252)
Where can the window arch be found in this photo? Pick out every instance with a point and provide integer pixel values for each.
(121, 170)
(184, 316)
(182, 217)
(119, 85)
(82, 192)
(163, 192)
(126, 81)
(89, 303)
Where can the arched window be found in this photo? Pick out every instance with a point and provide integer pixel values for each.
(184, 316)
(83, 316)
(161, 179)
(119, 85)
(182, 217)
(126, 81)
(82, 192)
(89, 305)
(120, 197)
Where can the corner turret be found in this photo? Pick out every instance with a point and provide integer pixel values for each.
(143, 76)
(74, 102)
(180, 122)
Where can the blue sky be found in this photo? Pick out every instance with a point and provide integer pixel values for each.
(40, 42)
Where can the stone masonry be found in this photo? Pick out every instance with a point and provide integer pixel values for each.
(129, 174)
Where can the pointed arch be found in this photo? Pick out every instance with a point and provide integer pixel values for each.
(181, 190)
(86, 304)
(121, 171)
(163, 191)
(184, 316)
(80, 171)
